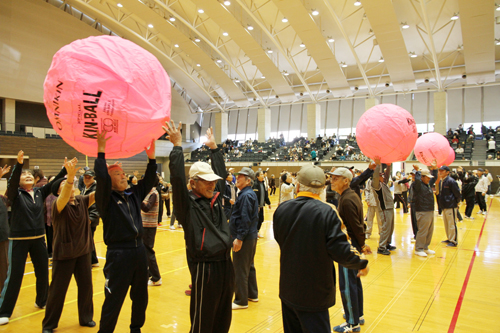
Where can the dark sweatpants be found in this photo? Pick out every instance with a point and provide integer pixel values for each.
(295, 321)
(62, 271)
(481, 201)
(49, 234)
(93, 255)
(4, 262)
(211, 295)
(351, 291)
(167, 205)
(18, 252)
(414, 225)
(245, 274)
(469, 206)
(261, 217)
(148, 238)
(125, 267)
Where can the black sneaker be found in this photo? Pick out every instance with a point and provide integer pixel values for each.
(384, 252)
(451, 244)
(390, 247)
(445, 241)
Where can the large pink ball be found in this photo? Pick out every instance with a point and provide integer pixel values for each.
(450, 159)
(432, 146)
(388, 132)
(107, 83)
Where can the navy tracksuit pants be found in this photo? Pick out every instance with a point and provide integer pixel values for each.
(351, 291)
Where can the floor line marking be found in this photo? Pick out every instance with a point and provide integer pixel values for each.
(454, 319)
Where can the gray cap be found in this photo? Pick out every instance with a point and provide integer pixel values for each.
(312, 176)
(343, 172)
(89, 173)
(247, 172)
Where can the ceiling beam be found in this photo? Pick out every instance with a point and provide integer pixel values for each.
(431, 42)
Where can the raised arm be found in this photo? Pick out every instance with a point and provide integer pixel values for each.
(47, 188)
(358, 181)
(376, 175)
(63, 198)
(15, 177)
(103, 189)
(145, 185)
(180, 193)
(217, 159)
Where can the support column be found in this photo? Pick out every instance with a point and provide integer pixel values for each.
(263, 124)
(440, 112)
(221, 127)
(9, 115)
(186, 132)
(313, 120)
(371, 102)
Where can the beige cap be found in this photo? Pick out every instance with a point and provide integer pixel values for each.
(426, 173)
(311, 176)
(204, 171)
(343, 172)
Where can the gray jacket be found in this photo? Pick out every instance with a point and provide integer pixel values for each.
(377, 185)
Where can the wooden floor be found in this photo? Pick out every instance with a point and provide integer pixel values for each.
(455, 290)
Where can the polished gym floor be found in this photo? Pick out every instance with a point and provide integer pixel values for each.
(455, 290)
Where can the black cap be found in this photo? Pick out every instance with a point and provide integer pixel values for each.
(90, 173)
(480, 169)
(445, 168)
(55, 186)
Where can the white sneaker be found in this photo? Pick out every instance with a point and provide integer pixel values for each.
(480, 212)
(95, 265)
(40, 307)
(239, 307)
(484, 213)
(4, 320)
(413, 240)
(430, 251)
(253, 299)
(179, 226)
(172, 227)
(421, 253)
(154, 284)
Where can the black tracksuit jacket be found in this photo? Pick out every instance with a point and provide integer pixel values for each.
(27, 218)
(206, 230)
(121, 214)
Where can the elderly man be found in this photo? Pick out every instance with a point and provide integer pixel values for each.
(449, 196)
(126, 261)
(351, 213)
(381, 184)
(423, 204)
(206, 232)
(311, 236)
(243, 225)
(260, 190)
(481, 190)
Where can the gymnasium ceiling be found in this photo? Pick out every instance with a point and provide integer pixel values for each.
(224, 55)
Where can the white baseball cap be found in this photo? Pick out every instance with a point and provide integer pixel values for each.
(343, 172)
(204, 171)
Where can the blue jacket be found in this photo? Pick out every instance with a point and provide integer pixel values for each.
(449, 193)
(245, 215)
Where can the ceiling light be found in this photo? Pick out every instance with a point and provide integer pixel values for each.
(120, 5)
(201, 11)
(454, 17)
(498, 7)
(302, 45)
(269, 51)
(227, 3)
(172, 19)
(315, 12)
(262, 77)
(150, 26)
(343, 64)
(404, 25)
(370, 32)
(219, 61)
(357, 3)
(381, 59)
(176, 45)
(331, 40)
(249, 27)
(284, 20)
(285, 73)
(413, 55)
(236, 80)
(225, 34)
(198, 65)
(497, 41)
(197, 40)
